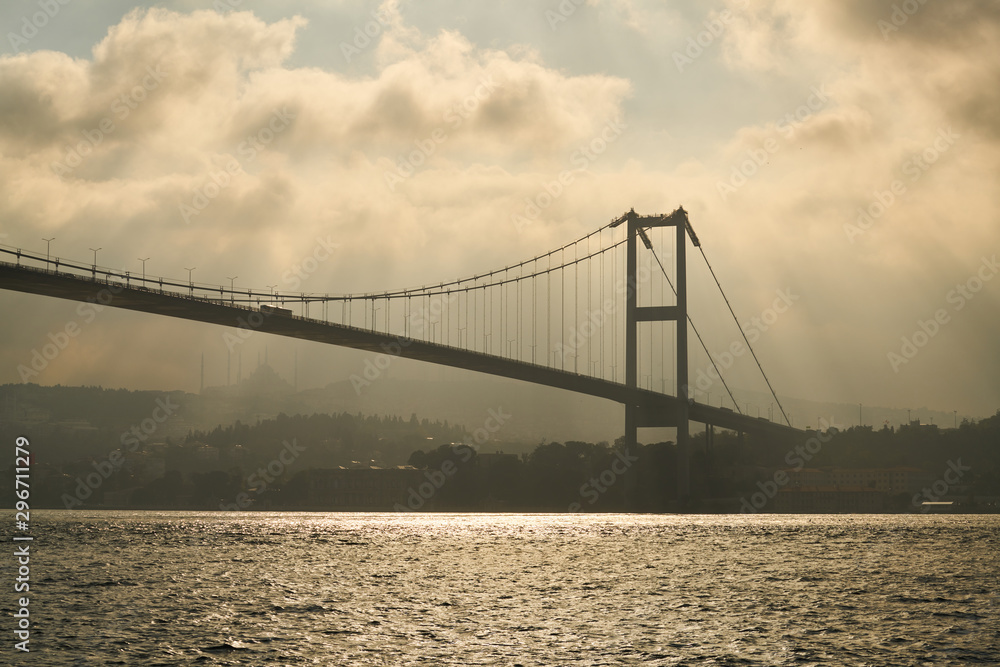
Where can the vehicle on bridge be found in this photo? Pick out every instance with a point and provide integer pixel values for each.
(270, 309)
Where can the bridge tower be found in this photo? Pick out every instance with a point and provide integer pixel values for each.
(640, 416)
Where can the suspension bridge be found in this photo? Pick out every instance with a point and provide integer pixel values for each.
(602, 316)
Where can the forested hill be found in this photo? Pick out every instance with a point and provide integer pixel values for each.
(342, 438)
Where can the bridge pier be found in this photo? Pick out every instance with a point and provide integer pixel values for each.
(634, 314)
(644, 408)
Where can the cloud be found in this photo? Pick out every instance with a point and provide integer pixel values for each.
(907, 105)
(472, 129)
(219, 81)
(909, 54)
(112, 150)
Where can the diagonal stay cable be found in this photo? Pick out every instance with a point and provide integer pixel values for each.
(695, 329)
(749, 347)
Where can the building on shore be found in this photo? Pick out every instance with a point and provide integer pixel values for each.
(356, 489)
(850, 490)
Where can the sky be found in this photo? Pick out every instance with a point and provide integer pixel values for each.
(845, 152)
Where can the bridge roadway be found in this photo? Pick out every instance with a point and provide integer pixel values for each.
(655, 409)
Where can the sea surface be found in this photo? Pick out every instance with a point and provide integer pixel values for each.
(187, 588)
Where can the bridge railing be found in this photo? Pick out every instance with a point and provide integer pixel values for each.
(93, 272)
(111, 278)
(103, 276)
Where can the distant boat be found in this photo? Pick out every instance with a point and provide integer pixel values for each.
(938, 507)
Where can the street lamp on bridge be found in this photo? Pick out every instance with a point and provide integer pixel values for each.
(143, 260)
(47, 242)
(190, 283)
(94, 268)
(563, 366)
(232, 294)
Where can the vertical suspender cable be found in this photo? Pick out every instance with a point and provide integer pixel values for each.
(601, 247)
(695, 330)
(744, 336)
(562, 310)
(534, 309)
(590, 305)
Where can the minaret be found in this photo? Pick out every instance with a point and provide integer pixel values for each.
(202, 389)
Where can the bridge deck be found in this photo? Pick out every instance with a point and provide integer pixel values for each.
(655, 409)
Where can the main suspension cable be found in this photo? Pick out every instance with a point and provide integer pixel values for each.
(749, 347)
(695, 329)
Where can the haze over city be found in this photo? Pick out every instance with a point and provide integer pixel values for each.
(842, 153)
(382, 332)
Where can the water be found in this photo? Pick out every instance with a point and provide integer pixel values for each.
(178, 588)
